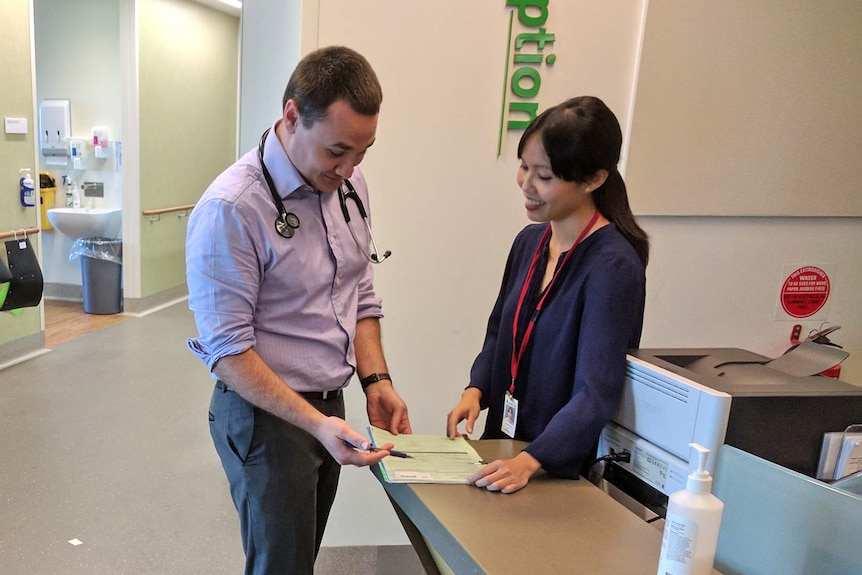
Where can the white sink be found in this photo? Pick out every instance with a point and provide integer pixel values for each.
(77, 223)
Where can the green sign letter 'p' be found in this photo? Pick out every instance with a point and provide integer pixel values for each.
(525, 18)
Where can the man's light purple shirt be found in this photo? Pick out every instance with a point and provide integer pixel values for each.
(294, 301)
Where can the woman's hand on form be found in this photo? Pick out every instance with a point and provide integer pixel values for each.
(467, 408)
(506, 475)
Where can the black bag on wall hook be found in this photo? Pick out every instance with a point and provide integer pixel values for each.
(26, 283)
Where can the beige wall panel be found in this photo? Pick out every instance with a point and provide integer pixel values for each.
(188, 116)
(16, 150)
(749, 108)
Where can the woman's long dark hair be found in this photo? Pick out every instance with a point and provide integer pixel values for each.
(582, 136)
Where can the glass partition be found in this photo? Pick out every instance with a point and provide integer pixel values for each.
(851, 483)
(780, 521)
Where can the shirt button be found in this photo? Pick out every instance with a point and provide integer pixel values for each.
(332, 240)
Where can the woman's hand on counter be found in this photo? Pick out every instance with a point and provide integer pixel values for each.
(506, 475)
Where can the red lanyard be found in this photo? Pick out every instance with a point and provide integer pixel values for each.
(516, 357)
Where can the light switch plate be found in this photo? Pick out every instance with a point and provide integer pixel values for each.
(16, 125)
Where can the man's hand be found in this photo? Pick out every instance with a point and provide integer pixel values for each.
(386, 409)
(335, 434)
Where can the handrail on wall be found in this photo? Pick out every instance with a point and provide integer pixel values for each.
(156, 215)
(18, 232)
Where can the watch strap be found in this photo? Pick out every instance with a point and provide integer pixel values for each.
(373, 378)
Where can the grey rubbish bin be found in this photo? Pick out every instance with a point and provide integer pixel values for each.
(102, 273)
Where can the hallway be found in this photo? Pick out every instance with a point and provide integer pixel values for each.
(106, 442)
(66, 320)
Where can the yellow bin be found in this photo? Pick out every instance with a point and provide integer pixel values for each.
(47, 197)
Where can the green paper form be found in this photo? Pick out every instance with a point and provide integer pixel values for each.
(433, 459)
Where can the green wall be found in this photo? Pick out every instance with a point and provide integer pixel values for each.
(188, 116)
(16, 150)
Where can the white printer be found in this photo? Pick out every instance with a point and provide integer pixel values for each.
(713, 396)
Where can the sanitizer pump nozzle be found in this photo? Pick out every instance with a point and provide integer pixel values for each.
(699, 481)
(28, 194)
(692, 523)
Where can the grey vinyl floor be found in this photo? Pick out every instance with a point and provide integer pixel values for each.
(104, 441)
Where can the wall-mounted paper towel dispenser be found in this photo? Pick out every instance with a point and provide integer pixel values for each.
(55, 127)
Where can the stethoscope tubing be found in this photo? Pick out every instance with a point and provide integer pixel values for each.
(287, 223)
(374, 255)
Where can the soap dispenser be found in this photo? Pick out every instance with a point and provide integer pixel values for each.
(28, 194)
(691, 525)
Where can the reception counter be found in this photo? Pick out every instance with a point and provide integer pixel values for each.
(550, 526)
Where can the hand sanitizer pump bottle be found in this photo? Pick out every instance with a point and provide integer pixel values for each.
(692, 523)
(67, 186)
(28, 194)
(76, 195)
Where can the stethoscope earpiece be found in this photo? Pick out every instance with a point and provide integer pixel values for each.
(379, 259)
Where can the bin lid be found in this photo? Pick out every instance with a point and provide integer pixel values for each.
(46, 180)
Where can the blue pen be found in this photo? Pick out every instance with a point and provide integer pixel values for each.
(372, 449)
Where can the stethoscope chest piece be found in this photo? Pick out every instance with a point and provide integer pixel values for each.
(287, 224)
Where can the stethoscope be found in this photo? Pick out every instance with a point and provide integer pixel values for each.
(287, 223)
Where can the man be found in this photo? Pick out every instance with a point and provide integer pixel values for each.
(284, 301)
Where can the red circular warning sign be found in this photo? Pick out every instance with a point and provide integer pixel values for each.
(805, 292)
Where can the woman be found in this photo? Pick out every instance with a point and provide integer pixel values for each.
(570, 304)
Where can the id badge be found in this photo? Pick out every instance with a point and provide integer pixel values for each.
(510, 415)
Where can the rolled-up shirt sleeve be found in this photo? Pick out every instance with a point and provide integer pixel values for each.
(369, 304)
(223, 277)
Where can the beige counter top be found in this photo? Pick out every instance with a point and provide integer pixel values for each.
(550, 526)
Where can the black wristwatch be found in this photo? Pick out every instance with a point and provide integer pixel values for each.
(373, 378)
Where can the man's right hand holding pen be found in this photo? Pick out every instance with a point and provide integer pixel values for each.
(365, 446)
